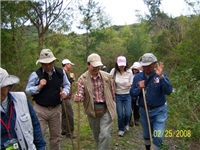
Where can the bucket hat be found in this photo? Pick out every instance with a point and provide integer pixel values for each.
(46, 56)
(136, 65)
(6, 79)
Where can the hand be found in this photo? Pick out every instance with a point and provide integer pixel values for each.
(141, 84)
(42, 83)
(77, 97)
(72, 76)
(159, 69)
(63, 95)
(128, 85)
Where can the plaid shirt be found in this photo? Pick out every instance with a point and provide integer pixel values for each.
(98, 89)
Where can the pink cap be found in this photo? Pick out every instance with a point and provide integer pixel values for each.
(121, 61)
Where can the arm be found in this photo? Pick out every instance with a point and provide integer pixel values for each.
(135, 88)
(32, 86)
(81, 91)
(166, 85)
(37, 132)
(66, 84)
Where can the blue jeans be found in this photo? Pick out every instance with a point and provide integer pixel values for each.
(158, 119)
(123, 104)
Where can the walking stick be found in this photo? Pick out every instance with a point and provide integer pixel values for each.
(149, 125)
(67, 119)
(78, 135)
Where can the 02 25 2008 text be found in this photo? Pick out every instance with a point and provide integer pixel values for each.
(173, 133)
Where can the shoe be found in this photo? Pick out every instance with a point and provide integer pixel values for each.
(127, 128)
(137, 123)
(121, 133)
(73, 136)
(131, 123)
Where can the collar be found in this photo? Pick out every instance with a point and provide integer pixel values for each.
(98, 76)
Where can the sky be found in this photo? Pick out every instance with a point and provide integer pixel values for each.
(122, 12)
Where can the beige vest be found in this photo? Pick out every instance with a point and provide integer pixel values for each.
(88, 102)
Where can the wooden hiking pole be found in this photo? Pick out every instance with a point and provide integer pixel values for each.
(67, 119)
(78, 135)
(147, 114)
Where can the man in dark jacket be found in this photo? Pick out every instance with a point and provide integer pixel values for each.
(156, 85)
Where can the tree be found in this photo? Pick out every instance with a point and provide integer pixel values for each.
(45, 14)
(93, 20)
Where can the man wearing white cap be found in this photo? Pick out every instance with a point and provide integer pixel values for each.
(45, 86)
(97, 94)
(20, 127)
(155, 85)
(68, 116)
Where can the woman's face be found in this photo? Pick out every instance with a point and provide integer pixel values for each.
(135, 71)
(121, 68)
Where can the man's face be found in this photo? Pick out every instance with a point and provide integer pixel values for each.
(93, 70)
(48, 67)
(149, 69)
(4, 92)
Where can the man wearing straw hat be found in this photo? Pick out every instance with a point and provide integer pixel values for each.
(96, 92)
(20, 128)
(45, 86)
(152, 85)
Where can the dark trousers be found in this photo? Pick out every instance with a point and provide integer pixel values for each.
(69, 117)
(135, 109)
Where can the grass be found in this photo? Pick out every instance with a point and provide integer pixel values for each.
(131, 141)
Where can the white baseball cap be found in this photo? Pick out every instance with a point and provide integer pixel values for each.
(67, 61)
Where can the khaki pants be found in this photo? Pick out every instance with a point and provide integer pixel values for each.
(101, 128)
(52, 118)
(70, 117)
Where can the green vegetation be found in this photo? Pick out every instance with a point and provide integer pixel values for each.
(175, 41)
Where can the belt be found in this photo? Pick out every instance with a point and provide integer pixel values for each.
(48, 107)
(151, 107)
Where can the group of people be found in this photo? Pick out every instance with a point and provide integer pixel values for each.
(104, 95)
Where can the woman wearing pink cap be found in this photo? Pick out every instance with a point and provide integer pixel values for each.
(123, 77)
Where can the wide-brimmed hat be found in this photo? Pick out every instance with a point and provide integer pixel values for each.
(46, 56)
(121, 61)
(67, 61)
(136, 65)
(6, 79)
(147, 59)
(95, 60)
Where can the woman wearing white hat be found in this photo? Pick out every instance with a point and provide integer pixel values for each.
(20, 128)
(136, 68)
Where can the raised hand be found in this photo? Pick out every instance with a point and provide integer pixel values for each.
(159, 68)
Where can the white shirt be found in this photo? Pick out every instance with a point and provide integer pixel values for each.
(122, 80)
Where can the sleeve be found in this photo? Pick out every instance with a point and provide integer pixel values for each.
(32, 86)
(66, 84)
(135, 90)
(112, 72)
(81, 89)
(37, 132)
(166, 85)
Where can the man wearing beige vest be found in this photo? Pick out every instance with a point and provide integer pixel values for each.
(96, 92)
